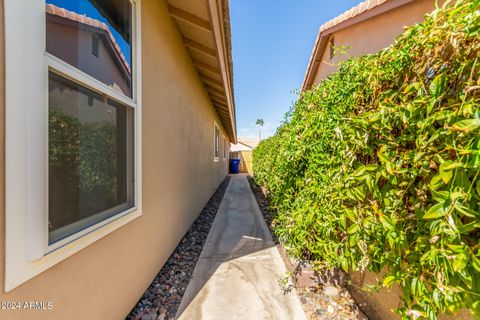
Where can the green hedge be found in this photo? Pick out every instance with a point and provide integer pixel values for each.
(377, 168)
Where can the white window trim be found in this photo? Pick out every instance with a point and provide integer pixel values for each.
(216, 135)
(27, 252)
(224, 148)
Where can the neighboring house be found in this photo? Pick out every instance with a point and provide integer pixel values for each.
(117, 120)
(88, 44)
(366, 28)
(243, 150)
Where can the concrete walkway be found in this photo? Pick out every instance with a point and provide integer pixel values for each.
(238, 272)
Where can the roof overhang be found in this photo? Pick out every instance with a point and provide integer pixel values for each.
(364, 11)
(205, 27)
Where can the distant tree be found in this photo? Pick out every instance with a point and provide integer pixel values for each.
(260, 124)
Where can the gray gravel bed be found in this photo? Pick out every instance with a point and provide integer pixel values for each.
(329, 302)
(162, 299)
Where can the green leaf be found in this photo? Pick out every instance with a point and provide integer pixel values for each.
(361, 170)
(446, 176)
(387, 282)
(343, 221)
(460, 262)
(469, 227)
(437, 296)
(354, 228)
(456, 248)
(411, 88)
(437, 87)
(446, 168)
(450, 165)
(359, 194)
(476, 263)
(344, 263)
(466, 211)
(440, 196)
(436, 211)
(467, 125)
(350, 214)
(387, 222)
(414, 285)
(435, 183)
(353, 240)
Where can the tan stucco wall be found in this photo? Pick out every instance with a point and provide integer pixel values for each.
(105, 280)
(374, 34)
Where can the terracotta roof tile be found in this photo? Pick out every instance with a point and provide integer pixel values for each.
(83, 19)
(353, 12)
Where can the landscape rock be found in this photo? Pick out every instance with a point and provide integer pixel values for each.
(330, 309)
(331, 291)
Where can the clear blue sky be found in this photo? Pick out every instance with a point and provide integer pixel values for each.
(272, 42)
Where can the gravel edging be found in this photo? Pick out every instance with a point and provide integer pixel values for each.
(162, 298)
(326, 299)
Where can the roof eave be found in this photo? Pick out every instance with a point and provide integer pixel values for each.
(205, 28)
(220, 22)
(315, 61)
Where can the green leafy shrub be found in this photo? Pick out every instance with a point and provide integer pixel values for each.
(377, 168)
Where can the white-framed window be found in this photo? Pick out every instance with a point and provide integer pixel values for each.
(216, 142)
(224, 148)
(73, 128)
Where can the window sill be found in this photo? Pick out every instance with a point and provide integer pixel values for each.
(18, 270)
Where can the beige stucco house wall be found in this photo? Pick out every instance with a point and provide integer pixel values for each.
(366, 28)
(106, 279)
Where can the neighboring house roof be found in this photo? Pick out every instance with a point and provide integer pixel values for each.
(361, 12)
(87, 21)
(240, 146)
(245, 143)
(205, 28)
(251, 142)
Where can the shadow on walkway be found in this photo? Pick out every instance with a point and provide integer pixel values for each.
(238, 272)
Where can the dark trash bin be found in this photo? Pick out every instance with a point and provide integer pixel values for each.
(234, 165)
